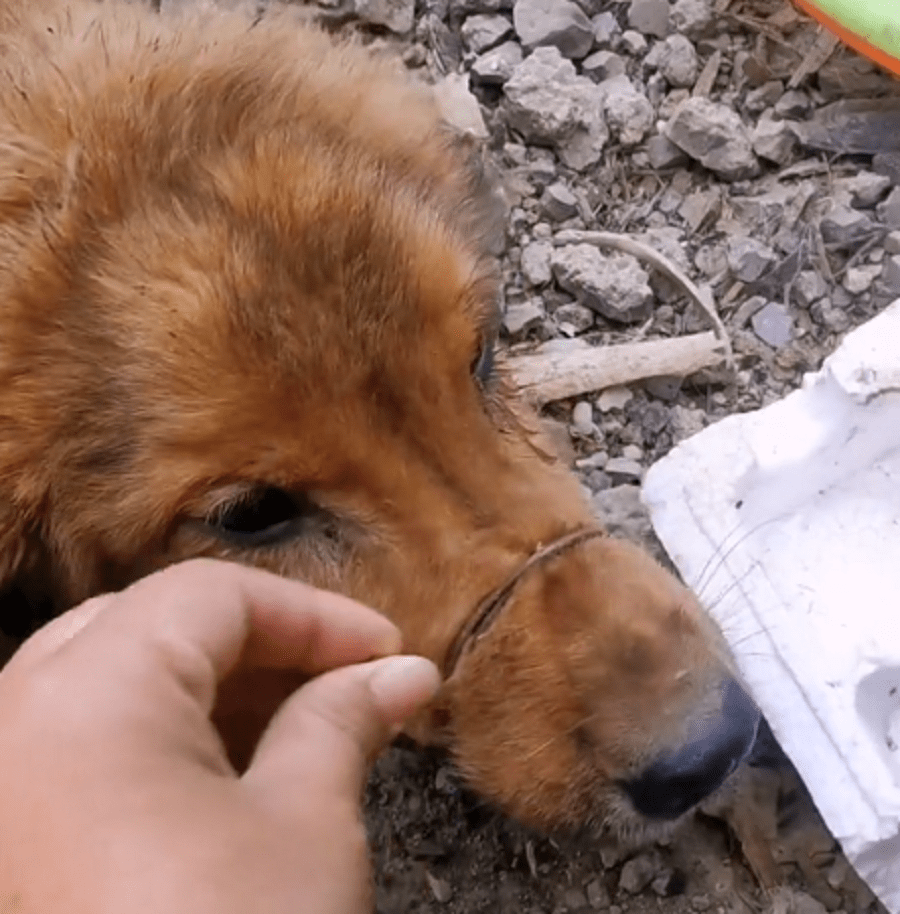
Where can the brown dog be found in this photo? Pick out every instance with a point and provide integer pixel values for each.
(247, 310)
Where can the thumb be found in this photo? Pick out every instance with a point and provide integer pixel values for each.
(324, 736)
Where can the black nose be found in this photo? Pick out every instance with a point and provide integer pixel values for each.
(716, 745)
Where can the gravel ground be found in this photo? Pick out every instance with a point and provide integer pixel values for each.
(724, 134)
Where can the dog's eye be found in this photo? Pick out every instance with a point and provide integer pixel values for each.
(266, 515)
(483, 364)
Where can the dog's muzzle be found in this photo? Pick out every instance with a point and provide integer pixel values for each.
(489, 608)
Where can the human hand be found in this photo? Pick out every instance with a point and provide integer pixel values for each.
(118, 795)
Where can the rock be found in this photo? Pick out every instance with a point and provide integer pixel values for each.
(676, 60)
(638, 872)
(860, 278)
(629, 114)
(481, 32)
(595, 461)
(663, 387)
(890, 276)
(892, 243)
(440, 888)
(497, 65)
(614, 398)
(603, 65)
(396, 15)
(606, 30)
(845, 227)
(889, 211)
(649, 17)
(831, 318)
(773, 140)
(633, 42)
(663, 153)
(746, 311)
(558, 203)
(477, 6)
(559, 23)
(710, 259)
(773, 325)
(576, 316)
(458, 107)
(692, 18)
(613, 285)
(700, 207)
(573, 899)
(714, 135)
(865, 188)
(887, 164)
(793, 105)
(597, 896)
(519, 319)
(583, 419)
(685, 422)
(667, 882)
(446, 46)
(749, 259)
(620, 510)
(549, 104)
(764, 96)
(654, 418)
(535, 262)
(809, 286)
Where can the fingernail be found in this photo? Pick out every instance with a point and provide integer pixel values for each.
(403, 684)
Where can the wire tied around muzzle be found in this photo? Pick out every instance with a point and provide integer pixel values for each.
(489, 608)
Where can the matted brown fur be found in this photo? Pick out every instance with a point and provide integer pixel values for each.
(236, 255)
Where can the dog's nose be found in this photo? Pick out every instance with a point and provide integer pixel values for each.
(716, 745)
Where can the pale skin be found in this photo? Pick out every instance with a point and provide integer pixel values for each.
(117, 791)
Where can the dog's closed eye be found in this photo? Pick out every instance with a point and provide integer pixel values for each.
(264, 516)
(483, 364)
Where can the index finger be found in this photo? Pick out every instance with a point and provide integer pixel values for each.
(204, 618)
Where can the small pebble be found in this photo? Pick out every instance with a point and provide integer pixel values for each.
(774, 325)
(440, 888)
(583, 419)
(613, 398)
(623, 469)
(638, 872)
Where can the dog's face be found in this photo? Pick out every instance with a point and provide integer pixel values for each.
(247, 311)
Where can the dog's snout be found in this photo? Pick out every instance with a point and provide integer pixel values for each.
(716, 744)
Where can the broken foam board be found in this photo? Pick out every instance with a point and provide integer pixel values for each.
(786, 521)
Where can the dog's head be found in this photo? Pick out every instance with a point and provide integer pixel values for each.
(247, 311)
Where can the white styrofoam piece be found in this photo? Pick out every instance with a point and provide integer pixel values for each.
(787, 523)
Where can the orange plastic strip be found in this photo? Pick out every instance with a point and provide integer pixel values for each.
(857, 42)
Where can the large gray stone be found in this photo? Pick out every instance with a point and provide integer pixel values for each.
(715, 136)
(612, 285)
(560, 23)
(548, 104)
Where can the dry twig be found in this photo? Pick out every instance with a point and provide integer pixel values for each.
(554, 372)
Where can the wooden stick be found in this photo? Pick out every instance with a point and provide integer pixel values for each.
(555, 372)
